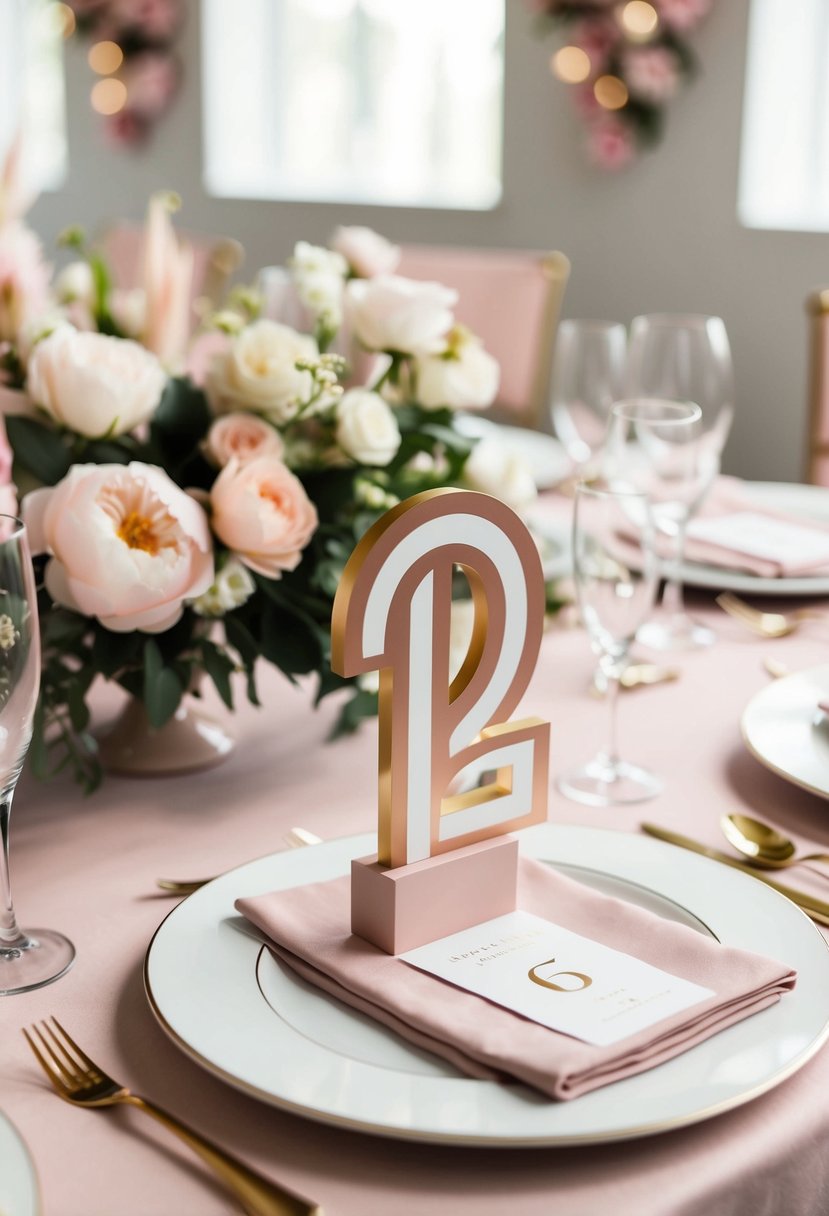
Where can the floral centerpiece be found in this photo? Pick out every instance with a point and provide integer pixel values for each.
(191, 504)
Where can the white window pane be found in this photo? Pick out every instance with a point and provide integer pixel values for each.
(32, 96)
(784, 171)
(354, 100)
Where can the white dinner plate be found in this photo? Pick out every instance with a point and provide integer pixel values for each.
(18, 1181)
(544, 454)
(810, 502)
(234, 1010)
(784, 729)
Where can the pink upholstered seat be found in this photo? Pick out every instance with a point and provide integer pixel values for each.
(817, 467)
(511, 299)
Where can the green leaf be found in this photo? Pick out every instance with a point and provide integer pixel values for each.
(181, 419)
(162, 688)
(219, 665)
(62, 628)
(361, 706)
(40, 450)
(290, 642)
(242, 640)
(38, 749)
(112, 652)
(108, 451)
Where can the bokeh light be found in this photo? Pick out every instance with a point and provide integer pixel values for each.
(571, 64)
(610, 92)
(108, 96)
(639, 19)
(105, 57)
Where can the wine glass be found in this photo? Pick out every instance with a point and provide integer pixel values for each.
(34, 958)
(615, 598)
(684, 357)
(588, 376)
(660, 448)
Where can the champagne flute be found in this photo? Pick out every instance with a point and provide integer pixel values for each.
(684, 357)
(659, 448)
(615, 599)
(588, 376)
(36, 957)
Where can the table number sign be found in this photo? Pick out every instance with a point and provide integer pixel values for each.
(454, 773)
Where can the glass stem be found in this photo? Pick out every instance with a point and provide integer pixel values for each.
(10, 935)
(673, 601)
(613, 671)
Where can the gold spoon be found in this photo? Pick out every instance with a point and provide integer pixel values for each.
(296, 838)
(764, 845)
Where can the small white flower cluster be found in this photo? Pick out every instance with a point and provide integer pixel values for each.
(230, 589)
(8, 633)
(319, 276)
(369, 494)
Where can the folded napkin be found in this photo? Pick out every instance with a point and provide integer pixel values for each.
(309, 931)
(732, 531)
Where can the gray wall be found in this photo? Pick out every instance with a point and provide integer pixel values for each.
(660, 236)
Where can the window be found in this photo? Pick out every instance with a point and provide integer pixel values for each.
(374, 101)
(784, 173)
(31, 87)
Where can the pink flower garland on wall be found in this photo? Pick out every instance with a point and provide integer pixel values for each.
(624, 62)
(133, 55)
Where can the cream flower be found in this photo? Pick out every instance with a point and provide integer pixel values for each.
(493, 469)
(258, 372)
(464, 376)
(75, 282)
(94, 384)
(232, 587)
(24, 279)
(241, 437)
(395, 314)
(367, 429)
(263, 515)
(367, 253)
(127, 545)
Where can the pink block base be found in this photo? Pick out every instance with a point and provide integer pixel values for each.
(405, 907)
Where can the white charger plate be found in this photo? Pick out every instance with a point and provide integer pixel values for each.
(293, 1047)
(784, 729)
(544, 454)
(19, 1195)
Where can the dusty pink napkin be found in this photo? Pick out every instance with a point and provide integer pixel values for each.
(309, 931)
(726, 497)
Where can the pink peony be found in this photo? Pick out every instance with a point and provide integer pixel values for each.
(241, 437)
(651, 73)
(367, 253)
(24, 279)
(682, 14)
(127, 545)
(596, 36)
(151, 79)
(262, 513)
(611, 144)
(8, 491)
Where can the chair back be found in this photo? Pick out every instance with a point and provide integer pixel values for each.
(817, 453)
(215, 259)
(511, 299)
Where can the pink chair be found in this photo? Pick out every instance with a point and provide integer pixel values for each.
(214, 261)
(817, 456)
(512, 300)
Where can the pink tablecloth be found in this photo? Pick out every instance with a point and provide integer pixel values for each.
(88, 866)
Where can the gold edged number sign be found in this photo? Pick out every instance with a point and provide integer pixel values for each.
(453, 770)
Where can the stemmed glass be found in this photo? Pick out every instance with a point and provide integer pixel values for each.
(615, 598)
(684, 357)
(34, 958)
(660, 449)
(588, 376)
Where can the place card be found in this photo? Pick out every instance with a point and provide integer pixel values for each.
(557, 978)
(758, 535)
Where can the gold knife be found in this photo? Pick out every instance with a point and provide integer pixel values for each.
(817, 909)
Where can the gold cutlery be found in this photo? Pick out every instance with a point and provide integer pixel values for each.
(638, 675)
(767, 624)
(78, 1080)
(817, 909)
(776, 669)
(763, 844)
(296, 838)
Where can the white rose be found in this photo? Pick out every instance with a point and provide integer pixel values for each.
(493, 469)
(395, 314)
(94, 384)
(232, 587)
(258, 372)
(75, 282)
(367, 253)
(464, 376)
(366, 427)
(129, 310)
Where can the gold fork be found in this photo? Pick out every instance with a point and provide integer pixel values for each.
(767, 624)
(296, 838)
(80, 1081)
